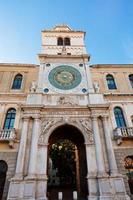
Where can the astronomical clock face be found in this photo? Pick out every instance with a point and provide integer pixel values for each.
(64, 77)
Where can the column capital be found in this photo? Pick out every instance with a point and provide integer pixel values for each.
(37, 117)
(41, 144)
(25, 117)
(89, 144)
(105, 116)
(94, 117)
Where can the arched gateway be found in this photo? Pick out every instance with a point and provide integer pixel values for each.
(63, 145)
(67, 168)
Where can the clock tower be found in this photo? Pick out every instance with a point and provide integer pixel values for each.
(64, 70)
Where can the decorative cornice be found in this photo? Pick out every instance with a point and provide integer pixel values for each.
(17, 65)
(112, 66)
(13, 94)
(117, 94)
(63, 56)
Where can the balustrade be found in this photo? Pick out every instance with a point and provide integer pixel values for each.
(8, 135)
(123, 132)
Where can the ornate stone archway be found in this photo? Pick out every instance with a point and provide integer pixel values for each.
(84, 127)
(49, 125)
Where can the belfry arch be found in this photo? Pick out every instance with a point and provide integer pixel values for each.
(67, 166)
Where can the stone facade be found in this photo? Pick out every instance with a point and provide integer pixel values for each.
(63, 98)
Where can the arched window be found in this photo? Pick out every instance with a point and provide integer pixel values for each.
(119, 117)
(110, 81)
(129, 167)
(67, 41)
(131, 79)
(10, 118)
(60, 41)
(17, 82)
(3, 170)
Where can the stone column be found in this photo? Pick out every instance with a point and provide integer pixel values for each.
(42, 173)
(34, 148)
(91, 171)
(109, 147)
(22, 149)
(98, 148)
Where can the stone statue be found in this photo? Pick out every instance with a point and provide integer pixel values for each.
(96, 87)
(64, 52)
(33, 86)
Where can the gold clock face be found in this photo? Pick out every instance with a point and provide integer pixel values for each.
(65, 77)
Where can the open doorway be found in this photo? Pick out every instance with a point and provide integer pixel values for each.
(67, 168)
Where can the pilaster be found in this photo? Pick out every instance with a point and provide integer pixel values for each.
(91, 171)
(42, 172)
(109, 147)
(98, 147)
(34, 147)
(22, 149)
(16, 188)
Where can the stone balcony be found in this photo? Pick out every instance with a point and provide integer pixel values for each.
(8, 135)
(123, 133)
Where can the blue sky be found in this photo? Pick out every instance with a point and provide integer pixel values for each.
(108, 25)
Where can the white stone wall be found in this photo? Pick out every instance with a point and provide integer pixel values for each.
(49, 43)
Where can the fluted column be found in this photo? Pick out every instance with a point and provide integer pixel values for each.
(109, 147)
(98, 148)
(22, 148)
(34, 147)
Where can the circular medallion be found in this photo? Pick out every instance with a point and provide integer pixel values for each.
(64, 77)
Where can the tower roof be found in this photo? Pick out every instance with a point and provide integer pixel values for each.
(61, 28)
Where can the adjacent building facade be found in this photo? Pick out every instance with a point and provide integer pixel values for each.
(66, 126)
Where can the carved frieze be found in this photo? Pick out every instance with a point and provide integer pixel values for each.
(66, 101)
(77, 113)
(83, 124)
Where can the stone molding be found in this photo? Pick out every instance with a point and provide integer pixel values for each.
(48, 126)
(66, 101)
